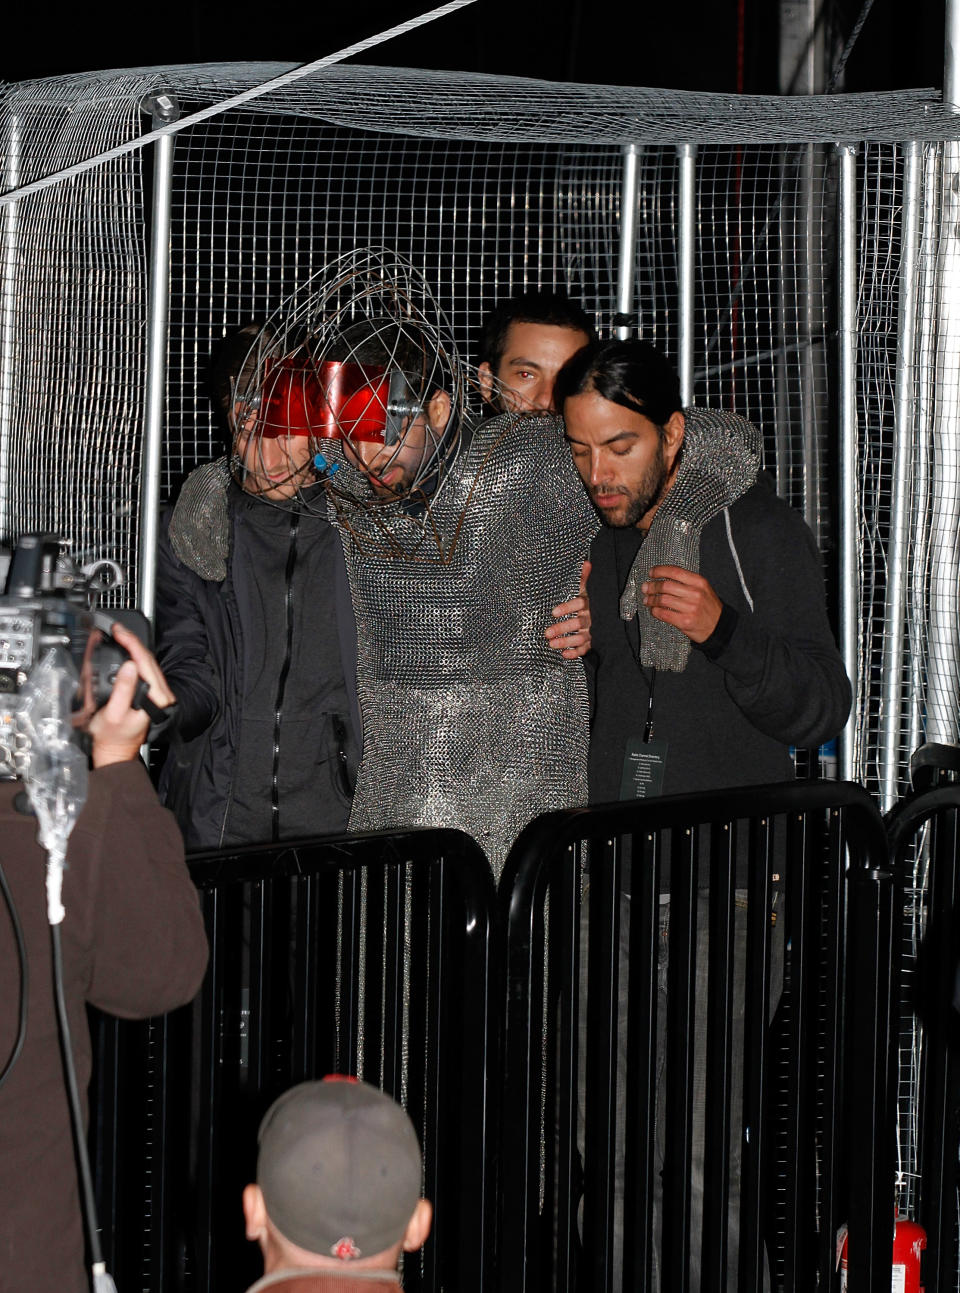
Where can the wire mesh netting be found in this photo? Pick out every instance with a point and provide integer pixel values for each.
(73, 309)
(488, 186)
(476, 224)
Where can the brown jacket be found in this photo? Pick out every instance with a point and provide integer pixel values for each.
(133, 944)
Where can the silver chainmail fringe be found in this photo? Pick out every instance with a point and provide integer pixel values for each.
(200, 524)
(470, 719)
(720, 461)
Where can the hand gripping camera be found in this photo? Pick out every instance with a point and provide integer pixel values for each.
(48, 602)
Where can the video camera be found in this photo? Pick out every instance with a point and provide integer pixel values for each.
(48, 602)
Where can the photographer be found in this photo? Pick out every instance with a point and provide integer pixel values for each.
(133, 944)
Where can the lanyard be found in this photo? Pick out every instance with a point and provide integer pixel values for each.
(634, 651)
(648, 726)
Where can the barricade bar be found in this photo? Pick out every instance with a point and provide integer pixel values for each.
(740, 903)
(624, 944)
(372, 955)
(927, 827)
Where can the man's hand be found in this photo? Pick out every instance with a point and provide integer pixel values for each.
(118, 731)
(572, 636)
(681, 598)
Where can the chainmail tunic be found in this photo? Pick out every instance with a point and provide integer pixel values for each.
(470, 719)
(721, 458)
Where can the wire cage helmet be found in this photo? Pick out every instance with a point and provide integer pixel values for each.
(361, 363)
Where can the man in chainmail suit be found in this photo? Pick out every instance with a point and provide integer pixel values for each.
(474, 716)
(713, 655)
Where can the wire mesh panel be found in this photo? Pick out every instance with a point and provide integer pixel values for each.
(880, 176)
(490, 185)
(263, 204)
(486, 185)
(72, 326)
(765, 306)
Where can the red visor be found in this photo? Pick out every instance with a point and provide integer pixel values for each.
(292, 401)
(356, 400)
(335, 399)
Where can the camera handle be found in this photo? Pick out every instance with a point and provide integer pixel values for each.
(161, 718)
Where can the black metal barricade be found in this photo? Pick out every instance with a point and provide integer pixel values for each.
(927, 827)
(372, 955)
(786, 882)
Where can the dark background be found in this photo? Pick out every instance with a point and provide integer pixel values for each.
(728, 45)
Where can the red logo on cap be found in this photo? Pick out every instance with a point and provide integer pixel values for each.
(345, 1248)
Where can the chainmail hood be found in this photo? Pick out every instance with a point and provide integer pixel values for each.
(200, 524)
(719, 463)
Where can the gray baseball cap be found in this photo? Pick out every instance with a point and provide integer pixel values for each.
(340, 1167)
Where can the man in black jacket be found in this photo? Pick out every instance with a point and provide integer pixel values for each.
(733, 621)
(713, 654)
(256, 633)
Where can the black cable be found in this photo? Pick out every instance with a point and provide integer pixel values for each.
(848, 47)
(24, 978)
(73, 1096)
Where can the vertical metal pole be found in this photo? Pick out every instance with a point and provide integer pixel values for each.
(813, 314)
(164, 108)
(787, 407)
(951, 56)
(803, 277)
(926, 388)
(624, 320)
(686, 258)
(801, 47)
(943, 628)
(9, 276)
(849, 502)
(892, 664)
(869, 1033)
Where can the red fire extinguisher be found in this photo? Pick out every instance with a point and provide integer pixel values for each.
(909, 1241)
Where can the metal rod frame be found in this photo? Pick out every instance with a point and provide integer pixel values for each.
(951, 55)
(164, 109)
(924, 412)
(898, 555)
(686, 262)
(849, 502)
(626, 265)
(10, 261)
(943, 630)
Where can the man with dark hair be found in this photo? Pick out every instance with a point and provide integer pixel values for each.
(255, 626)
(337, 1197)
(524, 342)
(739, 581)
(712, 649)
